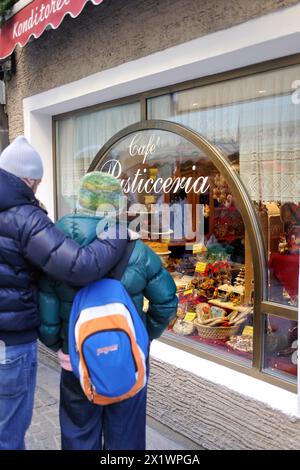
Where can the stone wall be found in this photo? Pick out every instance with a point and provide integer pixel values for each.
(116, 32)
(3, 128)
(214, 416)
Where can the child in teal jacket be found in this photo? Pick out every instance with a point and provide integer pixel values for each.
(143, 277)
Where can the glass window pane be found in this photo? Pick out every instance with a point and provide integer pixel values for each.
(185, 212)
(281, 347)
(283, 248)
(255, 121)
(78, 139)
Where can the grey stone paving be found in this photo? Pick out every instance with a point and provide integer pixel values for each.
(44, 430)
(44, 433)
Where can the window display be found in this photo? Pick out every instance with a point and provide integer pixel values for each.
(215, 304)
(184, 210)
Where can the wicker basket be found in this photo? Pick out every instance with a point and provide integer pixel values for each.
(216, 332)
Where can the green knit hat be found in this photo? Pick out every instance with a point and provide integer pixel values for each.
(100, 192)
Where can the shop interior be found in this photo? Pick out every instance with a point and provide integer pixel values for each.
(214, 278)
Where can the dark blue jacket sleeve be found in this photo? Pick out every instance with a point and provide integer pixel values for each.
(46, 247)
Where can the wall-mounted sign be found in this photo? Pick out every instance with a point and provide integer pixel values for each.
(33, 19)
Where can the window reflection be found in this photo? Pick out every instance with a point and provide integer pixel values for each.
(78, 139)
(281, 229)
(281, 347)
(203, 242)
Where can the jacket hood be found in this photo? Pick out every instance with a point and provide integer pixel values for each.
(14, 192)
(81, 228)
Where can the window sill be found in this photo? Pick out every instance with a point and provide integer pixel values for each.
(250, 387)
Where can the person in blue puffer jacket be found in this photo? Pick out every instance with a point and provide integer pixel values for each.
(83, 424)
(29, 241)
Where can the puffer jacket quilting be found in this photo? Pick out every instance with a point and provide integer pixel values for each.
(29, 241)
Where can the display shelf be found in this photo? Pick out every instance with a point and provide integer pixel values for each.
(181, 243)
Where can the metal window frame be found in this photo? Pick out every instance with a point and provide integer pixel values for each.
(262, 305)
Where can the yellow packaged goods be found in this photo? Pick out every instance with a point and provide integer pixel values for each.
(200, 267)
(158, 247)
(183, 328)
(188, 292)
(153, 172)
(248, 331)
(199, 248)
(190, 316)
(150, 199)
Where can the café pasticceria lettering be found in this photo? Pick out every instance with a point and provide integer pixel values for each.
(138, 183)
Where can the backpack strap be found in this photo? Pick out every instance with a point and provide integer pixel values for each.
(118, 271)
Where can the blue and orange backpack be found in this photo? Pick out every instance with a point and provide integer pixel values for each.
(108, 343)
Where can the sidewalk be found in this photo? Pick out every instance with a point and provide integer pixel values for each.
(44, 431)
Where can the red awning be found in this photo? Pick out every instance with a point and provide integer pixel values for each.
(33, 19)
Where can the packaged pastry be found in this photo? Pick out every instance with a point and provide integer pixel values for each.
(224, 292)
(242, 343)
(203, 311)
(237, 294)
(217, 312)
(207, 288)
(183, 328)
(181, 310)
(182, 282)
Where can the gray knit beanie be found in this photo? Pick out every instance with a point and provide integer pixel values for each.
(22, 160)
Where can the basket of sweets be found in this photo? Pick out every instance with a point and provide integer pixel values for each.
(222, 327)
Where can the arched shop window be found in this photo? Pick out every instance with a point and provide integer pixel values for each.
(192, 209)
